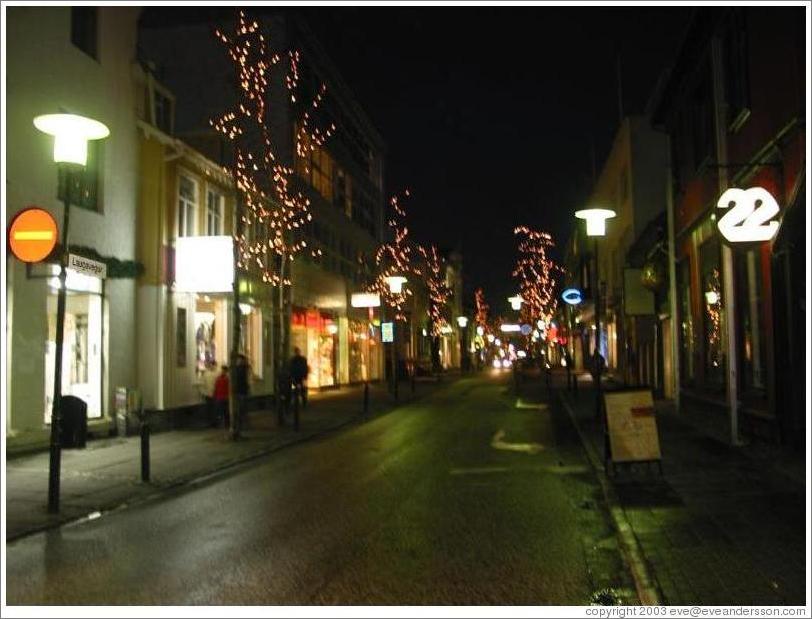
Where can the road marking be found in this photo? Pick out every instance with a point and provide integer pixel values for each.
(498, 443)
(536, 406)
(483, 470)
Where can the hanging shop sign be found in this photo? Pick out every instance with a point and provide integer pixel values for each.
(387, 332)
(365, 299)
(204, 264)
(749, 215)
(32, 235)
(572, 296)
(632, 426)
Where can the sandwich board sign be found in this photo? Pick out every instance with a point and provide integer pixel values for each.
(631, 427)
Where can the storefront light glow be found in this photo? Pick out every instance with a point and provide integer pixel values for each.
(480, 331)
(572, 296)
(204, 264)
(332, 328)
(71, 134)
(497, 364)
(521, 354)
(365, 299)
(76, 282)
(595, 220)
(490, 337)
(712, 297)
(446, 330)
(497, 341)
(510, 328)
(462, 321)
(505, 363)
(245, 309)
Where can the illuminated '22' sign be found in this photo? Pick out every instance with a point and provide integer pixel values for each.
(572, 296)
(750, 215)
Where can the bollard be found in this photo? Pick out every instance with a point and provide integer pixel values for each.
(296, 409)
(144, 451)
(366, 399)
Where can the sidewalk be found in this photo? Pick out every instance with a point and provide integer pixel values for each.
(722, 526)
(107, 474)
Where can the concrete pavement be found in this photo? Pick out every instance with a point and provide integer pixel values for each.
(722, 525)
(107, 474)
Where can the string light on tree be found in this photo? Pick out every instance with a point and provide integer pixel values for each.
(273, 214)
(535, 272)
(439, 293)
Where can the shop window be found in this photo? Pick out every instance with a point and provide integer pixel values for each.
(749, 286)
(187, 205)
(686, 330)
(713, 314)
(81, 186)
(81, 344)
(214, 213)
(251, 337)
(84, 29)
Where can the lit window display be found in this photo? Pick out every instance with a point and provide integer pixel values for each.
(315, 334)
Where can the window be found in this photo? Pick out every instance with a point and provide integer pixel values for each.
(187, 206)
(317, 169)
(162, 111)
(713, 313)
(342, 198)
(737, 87)
(686, 327)
(84, 30)
(753, 332)
(214, 213)
(84, 182)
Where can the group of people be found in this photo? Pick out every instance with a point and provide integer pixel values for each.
(293, 376)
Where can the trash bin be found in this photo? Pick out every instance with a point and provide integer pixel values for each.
(74, 422)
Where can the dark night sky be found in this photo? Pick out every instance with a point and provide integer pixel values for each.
(489, 113)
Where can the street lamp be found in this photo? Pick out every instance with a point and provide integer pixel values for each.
(395, 283)
(596, 227)
(516, 302)
(462, 321)
(71, 135)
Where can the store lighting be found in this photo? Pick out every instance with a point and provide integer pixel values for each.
(395, 283)
(510, 328)
(480, 331)
(712, 297)
(490, 337)
(332, 328)
(462, 321)
(516, 302)
(365, 299)
(245, 309)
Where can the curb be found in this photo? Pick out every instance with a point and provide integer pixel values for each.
(205, 476)
(648, 590)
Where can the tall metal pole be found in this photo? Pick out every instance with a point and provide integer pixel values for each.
(598, 364)
(234, 403)
(672, 281)
(55, 459)
(394, 359)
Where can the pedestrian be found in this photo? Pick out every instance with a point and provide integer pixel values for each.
(220, 395)
(206, 388)
(298, 374)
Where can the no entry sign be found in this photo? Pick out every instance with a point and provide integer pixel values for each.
(32, 234)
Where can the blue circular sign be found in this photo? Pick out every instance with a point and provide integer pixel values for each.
(526, 329)
(572, 296)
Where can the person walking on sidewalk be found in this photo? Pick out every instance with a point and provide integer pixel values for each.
(220, 396)
(298, 374)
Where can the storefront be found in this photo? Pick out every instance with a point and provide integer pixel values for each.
(364, 352)
(82, 353)
(315, 334)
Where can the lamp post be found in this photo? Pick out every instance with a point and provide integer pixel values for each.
(596, 227)
(462, 321)
(71, 134)
(395, 283)
(516, 302)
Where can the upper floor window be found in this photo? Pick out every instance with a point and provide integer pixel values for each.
(84, 182)
(162, 111)
(737, 86)
(84, 29)
(187, 205)
(342, 197)
(214, 213)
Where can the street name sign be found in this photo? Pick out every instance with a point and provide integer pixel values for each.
(86, 266)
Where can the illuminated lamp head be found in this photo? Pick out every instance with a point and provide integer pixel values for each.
(71, 134)
(395, 283)
(595, 220)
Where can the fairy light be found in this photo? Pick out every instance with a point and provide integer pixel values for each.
(273, 212)
(439, 293)
(535, 272)
(395, 258)
(481, 309)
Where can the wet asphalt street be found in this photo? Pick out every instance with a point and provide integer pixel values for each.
(467, 496)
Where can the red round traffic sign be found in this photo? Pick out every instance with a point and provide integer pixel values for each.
(32, 234)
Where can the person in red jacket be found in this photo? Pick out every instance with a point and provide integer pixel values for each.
(220, 394)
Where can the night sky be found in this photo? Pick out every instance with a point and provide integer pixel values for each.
(491, 114)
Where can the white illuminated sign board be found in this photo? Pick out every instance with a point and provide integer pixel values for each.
(508, 328)
(387, 332)
(204, 264)
(365, 299)
(748, 216)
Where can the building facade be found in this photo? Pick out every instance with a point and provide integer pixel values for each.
(342, 179)
(77, 60)
(733, 106)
